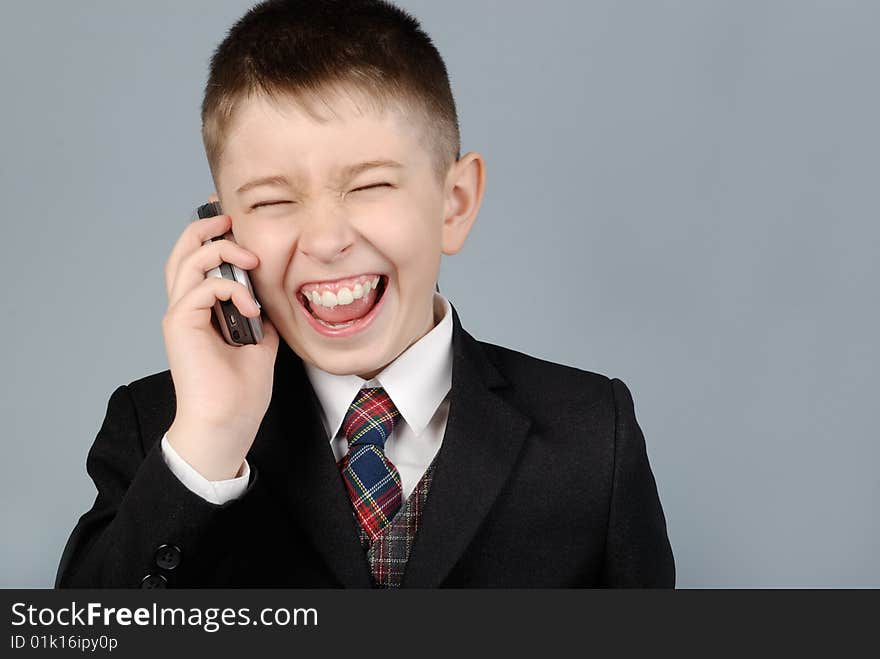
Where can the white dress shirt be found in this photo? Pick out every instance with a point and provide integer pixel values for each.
(418, 382)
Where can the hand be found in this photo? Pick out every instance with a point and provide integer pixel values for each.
(222, 391)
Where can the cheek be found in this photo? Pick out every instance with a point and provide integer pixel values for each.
(405, 233)
(274, 259)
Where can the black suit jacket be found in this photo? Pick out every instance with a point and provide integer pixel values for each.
(542, 480)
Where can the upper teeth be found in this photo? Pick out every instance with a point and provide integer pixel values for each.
(344, 295)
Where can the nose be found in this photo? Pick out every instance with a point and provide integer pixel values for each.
(326, 234)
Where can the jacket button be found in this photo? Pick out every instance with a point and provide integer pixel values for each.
(168, 557)
(154, 581)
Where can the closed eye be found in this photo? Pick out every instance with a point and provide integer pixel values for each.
(269, 203)
(374, 185)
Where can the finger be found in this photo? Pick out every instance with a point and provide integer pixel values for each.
(190, 240)
(194, 266)
(269, 331)
(213, 197)
(194, 308)
(196, 233)
(270, 335)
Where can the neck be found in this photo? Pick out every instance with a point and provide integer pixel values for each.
(434, 317)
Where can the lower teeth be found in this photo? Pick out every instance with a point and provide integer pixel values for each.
(334, 325)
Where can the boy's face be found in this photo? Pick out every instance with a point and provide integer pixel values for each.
(323, 224)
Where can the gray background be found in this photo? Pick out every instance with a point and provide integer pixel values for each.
(679, 194)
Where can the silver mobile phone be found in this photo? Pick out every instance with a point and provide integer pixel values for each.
(237, 329)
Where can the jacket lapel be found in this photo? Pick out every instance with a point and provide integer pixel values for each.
(297, 463)
(483, 436)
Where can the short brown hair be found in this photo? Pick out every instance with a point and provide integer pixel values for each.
(302, 49)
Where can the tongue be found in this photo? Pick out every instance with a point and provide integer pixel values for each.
(342, 313)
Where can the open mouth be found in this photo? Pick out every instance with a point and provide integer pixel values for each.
(337, 312)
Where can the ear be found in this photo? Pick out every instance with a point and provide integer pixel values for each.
(463, 195)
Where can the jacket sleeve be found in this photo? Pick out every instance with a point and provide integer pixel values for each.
(637, 551)
(145, 528)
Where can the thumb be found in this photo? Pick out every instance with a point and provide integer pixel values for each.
(270, 335)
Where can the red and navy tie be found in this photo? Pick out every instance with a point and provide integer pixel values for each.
(372, 481)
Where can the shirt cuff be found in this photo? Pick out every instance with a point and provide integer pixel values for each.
(217, 492)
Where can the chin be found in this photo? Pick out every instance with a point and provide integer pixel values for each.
(346, 366)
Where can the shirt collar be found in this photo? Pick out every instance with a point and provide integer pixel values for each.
(417, 381)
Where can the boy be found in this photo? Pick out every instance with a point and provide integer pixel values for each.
(368, 440)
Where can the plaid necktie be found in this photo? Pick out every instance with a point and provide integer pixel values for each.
(372, 481)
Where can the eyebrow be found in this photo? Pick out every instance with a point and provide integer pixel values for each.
(347, 172)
